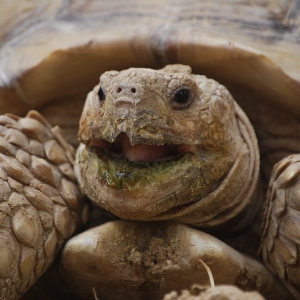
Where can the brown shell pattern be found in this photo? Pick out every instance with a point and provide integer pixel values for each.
(281, 237)
(40, 204)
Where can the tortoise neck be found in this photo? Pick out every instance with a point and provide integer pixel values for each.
(245, 220)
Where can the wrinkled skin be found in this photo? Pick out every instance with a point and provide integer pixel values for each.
(174, 150)
(146, 156)
(150, 150)
(94, 38)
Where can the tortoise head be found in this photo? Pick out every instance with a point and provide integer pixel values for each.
(156, 142)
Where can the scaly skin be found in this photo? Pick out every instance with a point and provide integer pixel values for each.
(147, 156)
(40, 204)
(160, 145)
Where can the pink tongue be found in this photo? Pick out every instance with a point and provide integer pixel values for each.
(141, 152)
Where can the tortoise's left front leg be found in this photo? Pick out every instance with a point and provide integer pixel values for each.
(145, 260)
(281, 237)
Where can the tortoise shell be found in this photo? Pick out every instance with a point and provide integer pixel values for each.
(52, 54)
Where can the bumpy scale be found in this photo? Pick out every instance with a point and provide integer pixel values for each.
(281, 237)
(166, 145)
(155, 145)
(40, 205)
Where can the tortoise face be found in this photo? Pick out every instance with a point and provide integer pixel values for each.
(155, 141)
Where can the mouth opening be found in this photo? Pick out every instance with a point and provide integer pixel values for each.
(122, 148)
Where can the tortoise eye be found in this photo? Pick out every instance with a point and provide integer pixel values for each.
(181, 99)
(101, 94)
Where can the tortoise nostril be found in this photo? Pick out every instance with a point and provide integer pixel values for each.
(126, 89)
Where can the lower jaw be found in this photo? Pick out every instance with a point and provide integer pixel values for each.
(139, 190)
(120, 173)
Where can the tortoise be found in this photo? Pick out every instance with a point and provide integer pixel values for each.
(54, 63)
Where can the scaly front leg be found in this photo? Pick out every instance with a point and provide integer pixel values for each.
(281, 238)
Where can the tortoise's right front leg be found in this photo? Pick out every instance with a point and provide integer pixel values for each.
(145, 260)
(281, 237)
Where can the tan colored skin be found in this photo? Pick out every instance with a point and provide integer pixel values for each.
(140, 117)
(133, 123)
(150, 260)
(175, 33)
(281, 237)
(134, 260)
(40, 204)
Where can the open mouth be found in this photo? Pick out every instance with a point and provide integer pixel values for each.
(122, 149)
(142, 180)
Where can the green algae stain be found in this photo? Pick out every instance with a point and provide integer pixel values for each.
(123, 174)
